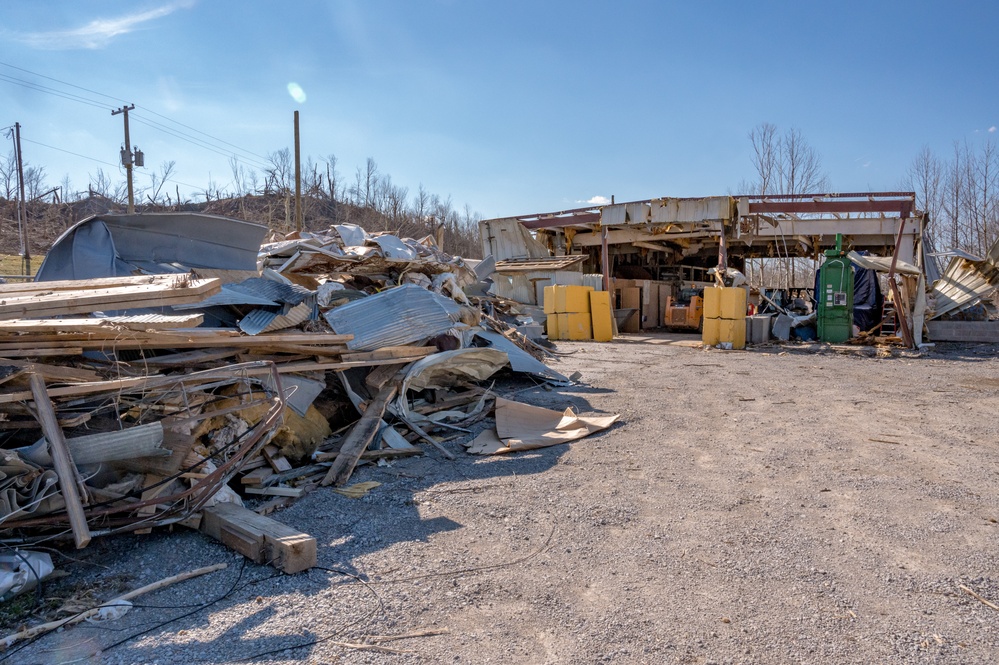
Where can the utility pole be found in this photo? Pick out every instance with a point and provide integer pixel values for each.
(22, 208)
(298, 179)
(126, 157)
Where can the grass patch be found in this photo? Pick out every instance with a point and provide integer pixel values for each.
(11, 264)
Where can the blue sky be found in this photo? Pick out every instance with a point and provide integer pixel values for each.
(511, 107)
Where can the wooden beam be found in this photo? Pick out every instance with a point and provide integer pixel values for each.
(359, 438)
(112, 325)
(62, 303)
(63, 462)
(259, 538)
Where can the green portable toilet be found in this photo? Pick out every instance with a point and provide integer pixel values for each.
(835, 296)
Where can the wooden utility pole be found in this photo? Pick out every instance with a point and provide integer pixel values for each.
(126, 157)
(22, 203)
(298, 179)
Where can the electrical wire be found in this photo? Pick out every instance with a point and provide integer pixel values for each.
(99, 161)
(72, 85)
(249, 157)
(51, 91)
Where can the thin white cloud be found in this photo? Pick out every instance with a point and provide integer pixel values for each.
(98, 33)
(597, 201)
(992, 129)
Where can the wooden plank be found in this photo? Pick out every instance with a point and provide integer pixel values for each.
(64, 303)
(33, 352)
(377, 377)
(54, 372)
(388, 352)
(61, 459)
(274, 457)
(113, 324)
(260, 538)
(157, 381)
(360, 437)
(257, 476)
(30, 288)
(126, 341)
(293, 492)
(147, 512)
(188, 357)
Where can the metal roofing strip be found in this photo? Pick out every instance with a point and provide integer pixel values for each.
(395, 317)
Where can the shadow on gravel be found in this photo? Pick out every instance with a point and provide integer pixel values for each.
(346, 530)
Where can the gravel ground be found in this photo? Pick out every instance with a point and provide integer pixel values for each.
(769, 506)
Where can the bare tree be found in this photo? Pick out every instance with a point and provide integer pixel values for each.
(158, 180)
(280, 172)
(925, 177)
(8, 176)
(766, 149)
(786, 164)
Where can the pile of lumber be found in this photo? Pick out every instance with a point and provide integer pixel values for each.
(129, 403)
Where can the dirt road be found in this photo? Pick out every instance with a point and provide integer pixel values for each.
(768, 506)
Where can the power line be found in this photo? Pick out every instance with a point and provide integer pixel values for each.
(250, 158)
(51, 91)
(100, 161)
(203, 133)
(94, 92)
(196, 141)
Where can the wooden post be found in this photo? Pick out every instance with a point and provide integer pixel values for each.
(359, 438)
(61, 459)
(903, 317)
(298, 179)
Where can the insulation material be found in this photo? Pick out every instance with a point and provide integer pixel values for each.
(525, 427)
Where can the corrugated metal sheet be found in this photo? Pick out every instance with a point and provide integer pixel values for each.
(228, 296)
(594, 280)
(400, 315)
(549, 263)
(965, 283)
(508, 239)
(262, 320)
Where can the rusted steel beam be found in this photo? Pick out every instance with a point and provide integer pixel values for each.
(902, 207)
(561, 222)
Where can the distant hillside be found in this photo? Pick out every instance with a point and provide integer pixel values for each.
(459, 232)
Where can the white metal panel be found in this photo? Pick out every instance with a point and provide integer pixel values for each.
(508, 239)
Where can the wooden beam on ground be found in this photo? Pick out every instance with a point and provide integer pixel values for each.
(63, 462)
(360, 437)
(259, 538)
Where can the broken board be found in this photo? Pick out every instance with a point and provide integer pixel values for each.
(259, 538)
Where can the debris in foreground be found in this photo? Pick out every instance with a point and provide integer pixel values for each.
(131, 401)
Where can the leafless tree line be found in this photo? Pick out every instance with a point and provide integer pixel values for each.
(785, 163)
(371, 199)
(961, 194)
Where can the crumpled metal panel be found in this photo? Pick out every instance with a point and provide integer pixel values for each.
(393, 248)
(262, 320)
(113, 245)
(352, 235)
(520, 360)
(400, 315)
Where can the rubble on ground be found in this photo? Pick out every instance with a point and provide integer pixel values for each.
(132, 400)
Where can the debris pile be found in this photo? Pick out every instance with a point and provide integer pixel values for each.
(130, 401)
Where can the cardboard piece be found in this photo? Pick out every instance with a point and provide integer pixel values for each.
(525, 427)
